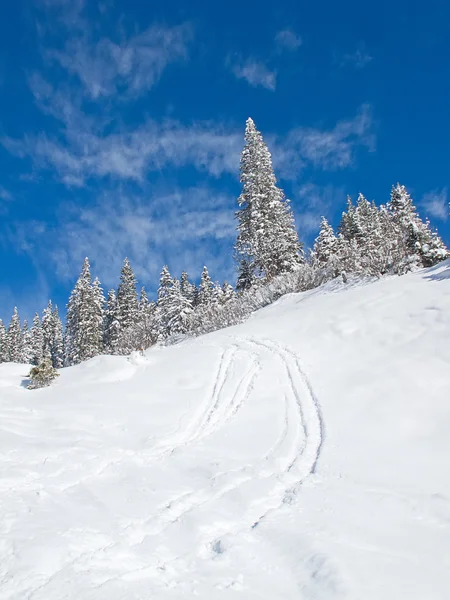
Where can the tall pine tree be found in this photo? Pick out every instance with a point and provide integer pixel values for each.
(83, 335)
(127, 297)
(3, 343)
(37, 341)
(267, 242)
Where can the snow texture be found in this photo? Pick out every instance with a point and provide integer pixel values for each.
(301, 455)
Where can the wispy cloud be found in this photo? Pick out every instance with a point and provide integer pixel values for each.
(253, 71)
(151, 231)
(131, 66)
(288, 40)
(325, 149)
(4, 194)
(358, 59)
(436, 204)
(88, 152)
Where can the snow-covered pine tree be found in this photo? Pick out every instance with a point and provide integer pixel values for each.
(165, 285)
(27, 347)
(37, 341)
(246, 275)
(127, 297)
(188, 289)
(83, 335)
(325, 245)
(57, 350)
(48, 330)
(267, 242)
(178, 311)
(143, 333)
(14, 336)
(369, 237)
(228, 292)
(205, 290)
(3, 343)
(348, 227)
(98, 313)
(111, 330)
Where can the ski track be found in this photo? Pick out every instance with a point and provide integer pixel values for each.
(300, 460)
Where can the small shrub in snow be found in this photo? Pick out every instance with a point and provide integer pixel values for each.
(42, 375)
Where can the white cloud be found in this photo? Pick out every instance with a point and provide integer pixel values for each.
(325, 149)
(288, 40)
(87, 152)
(4, 194)
(130, 67)
(358, 59)
(436, 204)
(254, 72)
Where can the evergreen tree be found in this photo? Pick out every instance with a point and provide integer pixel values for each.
(27, 347)
(246, 276)
(227, 292)
(37, 341)
(325, 246)
(48, 330)
(14, 336)
(348, 227)
(162, 312)
(98, 313)
(205, 291)
(83, 334)
(57, 349)
(419, 245)
(267, 242)
(127, 297)
(178, 311)
(188, 289)
(111, 331)
(143, 333)
(4, 353)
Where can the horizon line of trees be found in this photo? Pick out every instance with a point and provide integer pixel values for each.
(371, 240)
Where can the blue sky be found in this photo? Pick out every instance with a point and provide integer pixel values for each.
(121, 125)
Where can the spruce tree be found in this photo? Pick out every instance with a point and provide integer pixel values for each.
(205, 290)
(37, 341)
(227, 292)
(3, 343)
(178, 311)
(98, 313)
(127, 297)
(27, 347)
(57, 350)
(14, 336)
(267, 242)
(111, 331)
(246, 276)
(83, 334)
(48, 330)
(188, 289)
(165, 285)
(325, 246)
(420, 246)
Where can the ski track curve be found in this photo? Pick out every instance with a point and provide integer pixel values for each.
(300, 461)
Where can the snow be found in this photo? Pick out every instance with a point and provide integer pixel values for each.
(303, 454)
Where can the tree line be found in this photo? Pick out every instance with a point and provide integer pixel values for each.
(371, 240)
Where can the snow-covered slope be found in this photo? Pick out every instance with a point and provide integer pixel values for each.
(302, 455)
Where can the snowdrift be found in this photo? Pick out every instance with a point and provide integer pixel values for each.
(303, 454)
